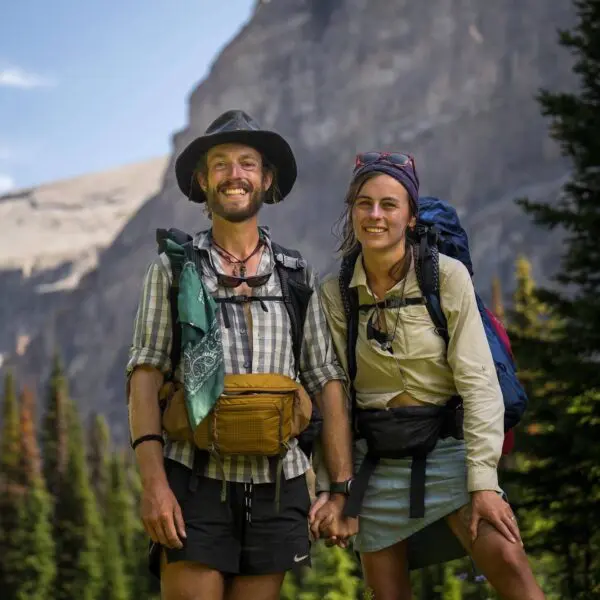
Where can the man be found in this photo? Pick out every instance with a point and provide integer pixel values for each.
(212, 518)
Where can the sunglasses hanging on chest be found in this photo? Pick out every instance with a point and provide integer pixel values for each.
(383, 338)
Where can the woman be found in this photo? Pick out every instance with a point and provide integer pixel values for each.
(402, 362)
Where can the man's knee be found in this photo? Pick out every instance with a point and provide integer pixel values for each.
(190, 581)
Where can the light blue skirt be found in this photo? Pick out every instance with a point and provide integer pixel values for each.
(384, 518)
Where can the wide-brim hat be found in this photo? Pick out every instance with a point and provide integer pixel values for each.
(235, 126)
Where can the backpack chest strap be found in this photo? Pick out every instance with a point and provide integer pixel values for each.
(393, 303)
(243, 299)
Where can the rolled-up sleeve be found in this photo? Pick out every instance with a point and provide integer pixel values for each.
(475, 378)
(151, 345)
(318, 362)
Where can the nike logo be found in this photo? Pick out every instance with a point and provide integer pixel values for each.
(298, 559)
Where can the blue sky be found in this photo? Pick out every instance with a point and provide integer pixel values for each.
(85, 86)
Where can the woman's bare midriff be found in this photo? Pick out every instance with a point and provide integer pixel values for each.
(404, 399)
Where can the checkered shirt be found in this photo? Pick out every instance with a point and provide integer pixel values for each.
(267, 348)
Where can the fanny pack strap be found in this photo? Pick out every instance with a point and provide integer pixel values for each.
(359, 486)
(417, 487)
(450, 427)
(361, 482)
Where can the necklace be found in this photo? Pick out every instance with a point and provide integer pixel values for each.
(386, 344)
(238, 263)
(399, 318)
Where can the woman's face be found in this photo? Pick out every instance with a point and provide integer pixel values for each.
(381, 213)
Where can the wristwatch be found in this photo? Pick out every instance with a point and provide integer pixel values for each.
(341, 487)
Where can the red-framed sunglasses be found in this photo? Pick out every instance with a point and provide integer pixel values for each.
(397, 159)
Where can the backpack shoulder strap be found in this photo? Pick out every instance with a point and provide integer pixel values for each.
(176, 262)
(350, 301)
(427, 267)
(351, 306)
(296, 292)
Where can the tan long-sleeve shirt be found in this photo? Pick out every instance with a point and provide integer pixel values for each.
(420, 364)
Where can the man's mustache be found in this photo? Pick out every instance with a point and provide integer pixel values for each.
(235, 183)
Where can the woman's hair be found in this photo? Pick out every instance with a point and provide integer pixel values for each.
(344, 229)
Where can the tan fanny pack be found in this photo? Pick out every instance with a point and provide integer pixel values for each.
(257, 414)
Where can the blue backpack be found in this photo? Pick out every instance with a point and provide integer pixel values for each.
(439, 230)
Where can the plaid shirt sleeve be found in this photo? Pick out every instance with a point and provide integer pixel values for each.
(152, 328)
(318, 362)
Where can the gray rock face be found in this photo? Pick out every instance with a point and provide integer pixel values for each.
(53, 234)
(451, 81)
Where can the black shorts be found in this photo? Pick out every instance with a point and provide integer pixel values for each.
(245, 535)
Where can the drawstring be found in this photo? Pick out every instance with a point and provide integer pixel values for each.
(221, 469)
(248, 489)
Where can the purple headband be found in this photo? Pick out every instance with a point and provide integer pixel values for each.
(405, 175)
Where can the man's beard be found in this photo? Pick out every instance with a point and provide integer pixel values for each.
(230, 212)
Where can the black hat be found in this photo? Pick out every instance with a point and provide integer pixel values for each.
(235, 126)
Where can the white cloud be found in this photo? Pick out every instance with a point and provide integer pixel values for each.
(6, 183)
(18, 78)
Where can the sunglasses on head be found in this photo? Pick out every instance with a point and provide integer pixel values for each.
(396, 159)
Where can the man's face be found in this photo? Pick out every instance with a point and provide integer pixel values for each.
(235, 182)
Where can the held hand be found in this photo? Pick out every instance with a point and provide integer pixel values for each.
(161, 515)
(490, 507)
(321, 500)
(322, 514)
(341, 531)
(329, 522)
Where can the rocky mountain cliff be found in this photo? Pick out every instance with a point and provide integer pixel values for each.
(52, 236)
(452, 81)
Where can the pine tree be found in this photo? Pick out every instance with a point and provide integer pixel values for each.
(10, 488)
(113, 563)
(55, 430)
(529, 316)
(120, 521)
(10, 440)
(77, 524)
(541, 480)
(33, 566)
(571, 417)
(99, 459)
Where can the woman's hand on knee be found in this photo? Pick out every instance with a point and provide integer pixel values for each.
(488, 506)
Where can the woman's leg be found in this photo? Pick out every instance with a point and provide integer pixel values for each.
(504, 563)
(386, 572)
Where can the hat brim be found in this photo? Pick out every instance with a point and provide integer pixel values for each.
(269, 143)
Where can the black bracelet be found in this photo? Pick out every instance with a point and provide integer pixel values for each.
(145, 438)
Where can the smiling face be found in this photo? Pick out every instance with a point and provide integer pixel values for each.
(234, 181)
(381, 213)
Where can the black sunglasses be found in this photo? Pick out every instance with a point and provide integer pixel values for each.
(231, 281)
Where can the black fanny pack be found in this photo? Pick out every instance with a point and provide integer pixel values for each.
(398, 433)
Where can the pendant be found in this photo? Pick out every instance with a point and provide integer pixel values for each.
(242, 270)
(386, 346)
